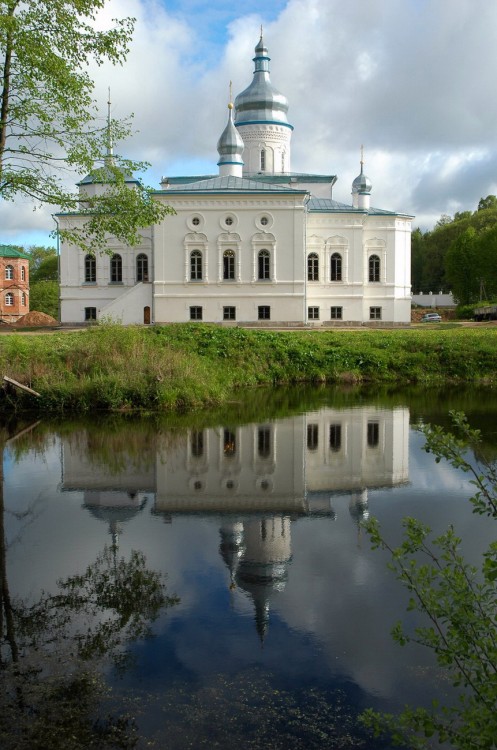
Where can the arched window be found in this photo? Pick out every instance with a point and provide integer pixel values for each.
(374, 268)
(312, 267)
(23, 299)
(336, 267)
(263, 160)
(263, 265)
(90, 269)
(9, 299)
(116, 269)
(23, 273)
(228, 265)
(196, 265)
(9, 272)
(141, 267)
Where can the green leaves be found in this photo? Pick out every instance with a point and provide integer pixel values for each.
(49, 120)
(458, 604)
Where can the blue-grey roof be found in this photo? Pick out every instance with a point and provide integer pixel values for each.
(228, 184)
(103, 175)
(328, 205)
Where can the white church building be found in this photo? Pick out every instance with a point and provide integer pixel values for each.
(256, 244)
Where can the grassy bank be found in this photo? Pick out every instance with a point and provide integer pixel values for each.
(192, 365)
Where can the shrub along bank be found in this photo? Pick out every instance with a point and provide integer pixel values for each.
(187, 366)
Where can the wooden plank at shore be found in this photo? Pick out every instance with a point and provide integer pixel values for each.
(21, 386)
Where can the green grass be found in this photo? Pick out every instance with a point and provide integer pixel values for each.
(188, 366)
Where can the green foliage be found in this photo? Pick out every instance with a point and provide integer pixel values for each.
(48, 118)
(430, 249)
(457, 602)
(463, 267)
(44, 297)
(189, 366)
(46, 270)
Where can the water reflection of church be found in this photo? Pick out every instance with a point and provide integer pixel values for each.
(258, 479)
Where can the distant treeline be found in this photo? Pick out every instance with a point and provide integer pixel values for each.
(459, 255)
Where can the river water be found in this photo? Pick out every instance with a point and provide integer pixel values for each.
(273, 630)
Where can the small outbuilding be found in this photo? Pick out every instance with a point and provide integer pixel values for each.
(14, 284)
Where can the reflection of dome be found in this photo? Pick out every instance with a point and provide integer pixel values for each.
(232, 547)
(113, 507)
(359, 508)
(263, 568)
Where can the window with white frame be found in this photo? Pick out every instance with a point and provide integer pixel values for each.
(141, 267)
(336, 312)
(228, 265)
(116, 269)
(374, 268)
(336, 267)
(23, 299)
(375, 313)
(9, 299)
(196, 265)
(9, 273)
(312, 267)
(90, 269)
(196, 312)
(264, 261)
(23, 273)
(313, 313)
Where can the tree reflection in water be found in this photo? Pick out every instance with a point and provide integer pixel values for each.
(53, 651)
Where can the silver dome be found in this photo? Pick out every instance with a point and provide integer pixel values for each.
(230, 144)
(261, 102)
(362, 183)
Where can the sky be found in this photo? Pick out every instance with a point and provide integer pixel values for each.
(413, 81)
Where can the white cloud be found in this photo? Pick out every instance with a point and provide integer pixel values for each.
(406, 79)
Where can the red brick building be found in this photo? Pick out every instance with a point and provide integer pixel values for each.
(14, 284)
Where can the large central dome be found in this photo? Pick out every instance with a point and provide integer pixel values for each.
(261, 102)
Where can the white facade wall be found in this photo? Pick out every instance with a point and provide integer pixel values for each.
(282, 235)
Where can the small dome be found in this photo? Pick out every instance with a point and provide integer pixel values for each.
(362, 184)
(230, 144)
(261, 101)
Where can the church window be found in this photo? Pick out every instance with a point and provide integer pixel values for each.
(312, 267)
(336, 267)
(23, 299)
(141, 267)
(9, 299)
(229, 221)
(263, 265)
(264, 442)
(336, 313)
(375, 313)
(335, 437)
(23, 273)
(264, 221)
(229, 313)
(90, 269)
(374, 268)
(264, 312)
(197, 443)
(195, 221)
(196, 313)
(90, 313)
(263, 160)
(116, 269)
(9, 273)
(373, 434)
(229, 444)
(312, 437)
(228, 265)
(196, 265)
(313, 313)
